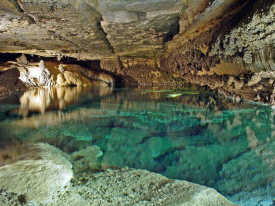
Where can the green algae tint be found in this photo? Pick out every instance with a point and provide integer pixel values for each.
(190, 134)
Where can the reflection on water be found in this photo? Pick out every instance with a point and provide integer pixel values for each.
(189, 134)
(42, 99)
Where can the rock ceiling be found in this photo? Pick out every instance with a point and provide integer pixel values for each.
(97, 29)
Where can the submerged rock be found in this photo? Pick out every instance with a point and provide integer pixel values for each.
(39, 178)
(254, 180)
(86, 159)
(44, 180)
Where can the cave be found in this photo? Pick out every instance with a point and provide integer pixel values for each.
(137, 102)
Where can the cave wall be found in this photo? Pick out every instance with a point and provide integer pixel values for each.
(239, 43)
(140, 71)
(227, 45)
(230, 49)
(230, 38)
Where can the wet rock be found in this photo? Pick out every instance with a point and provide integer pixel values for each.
(97, 29)
(230, 81)
(107, 78)
(237, 99)
(138, 187)
(238, 84)
(51, 74)
(251, 40)
(48, 35)
(86, 159)
(245, 184)
(145, 27)
(60, 79)
(73, 78)
(258, 88)
(61, 69)
(41, 177)
(207, 43)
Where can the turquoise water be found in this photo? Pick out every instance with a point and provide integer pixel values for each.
(190, 134)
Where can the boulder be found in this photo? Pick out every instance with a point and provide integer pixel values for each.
(60, 79)
(74, 78)
(107, 78)
(39, 178)
(9, 81)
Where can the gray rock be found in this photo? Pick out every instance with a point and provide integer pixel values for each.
(22, 59)
(139, 188)
(86, 159)
(40, 178)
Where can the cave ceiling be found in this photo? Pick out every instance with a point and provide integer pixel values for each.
(104, 29)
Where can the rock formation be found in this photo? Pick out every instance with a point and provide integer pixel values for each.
(42, 174)
(9, 81)
(138, 187)
(37, 76)
(86, 159)
(50, 173)
(49, 74)
(150, 42)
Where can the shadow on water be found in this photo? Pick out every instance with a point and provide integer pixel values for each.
(191, 134)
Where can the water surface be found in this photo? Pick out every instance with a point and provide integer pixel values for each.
(190, 134)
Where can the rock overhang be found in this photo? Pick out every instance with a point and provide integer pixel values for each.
(88, 29)
(93, 29)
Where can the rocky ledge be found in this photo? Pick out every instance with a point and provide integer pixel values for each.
(43, 175)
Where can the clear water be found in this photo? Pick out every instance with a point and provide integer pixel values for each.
(190, 134)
